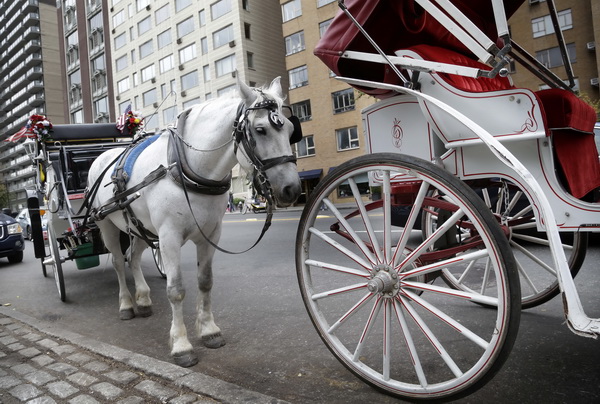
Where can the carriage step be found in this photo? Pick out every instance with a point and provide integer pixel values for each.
(50, 260)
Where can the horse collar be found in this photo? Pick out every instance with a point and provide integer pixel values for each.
(182, 174)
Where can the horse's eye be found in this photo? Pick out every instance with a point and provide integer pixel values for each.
(260, 130)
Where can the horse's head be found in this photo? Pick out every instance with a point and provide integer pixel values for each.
(264, 135)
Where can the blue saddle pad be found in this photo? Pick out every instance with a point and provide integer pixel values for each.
(133, 154)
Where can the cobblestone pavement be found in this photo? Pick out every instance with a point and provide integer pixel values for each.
(39, 365)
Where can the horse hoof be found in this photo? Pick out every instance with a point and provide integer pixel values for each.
(127, 314)
(213, 341)
(185, 359)
(144, 311)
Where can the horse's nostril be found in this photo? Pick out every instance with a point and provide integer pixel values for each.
(290, 193)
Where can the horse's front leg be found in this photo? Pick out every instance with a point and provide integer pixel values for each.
(205, 322)
(142, 290)
(181, 349)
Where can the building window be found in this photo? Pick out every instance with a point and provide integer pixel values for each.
(298, 77)
(164, 38)
(553, 58)
(302, 110)
(148, 73)
(347, 138)
(222, 36)
(204, 45)
(226, 90)
(246, 5)
(123, 105)
(144, 26)
(323, 27)
(343, 101)
(220, 8)
(119, 18)
(101, 110)
(141, 4)
(77, 116)
(225, 65)
(120, 41)
(181, 4)
(162, 14)
(291, 9)
(123, 85)
(294, 43)
(202, 17)
(321, 3)
(72, 51)
(98, 79)
(70, 14)
(247, 31)
(75, 89)
(305, 147)
(188, 53)
(185, 27)
(170, 114)
(543, 25)
(121, 63)
(206, 73)
(189, 80)
(191, 102)
(250, 60)
(149, 97)
(146, 49)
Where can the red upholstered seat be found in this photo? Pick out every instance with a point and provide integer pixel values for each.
(571, 122)
(469, 84)
(568, 119)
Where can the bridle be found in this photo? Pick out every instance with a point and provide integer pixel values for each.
(244, 140)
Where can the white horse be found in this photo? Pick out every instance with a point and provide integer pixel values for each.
(208, 150)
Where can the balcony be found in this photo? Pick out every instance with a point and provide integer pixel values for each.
(34, 73)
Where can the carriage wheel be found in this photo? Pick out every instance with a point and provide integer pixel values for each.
(371, 289)
(54, 261)
(534, 260)
(158, 260)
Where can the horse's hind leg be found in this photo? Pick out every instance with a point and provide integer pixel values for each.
(208, 331)
(110, 235)
(142, 290)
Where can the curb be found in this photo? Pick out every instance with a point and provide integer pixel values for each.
(199, 383)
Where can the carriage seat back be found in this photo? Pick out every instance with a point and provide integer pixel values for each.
(97, 132)
(565, 117)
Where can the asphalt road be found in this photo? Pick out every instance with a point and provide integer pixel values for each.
(272, 346)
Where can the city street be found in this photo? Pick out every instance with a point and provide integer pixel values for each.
(272, 347)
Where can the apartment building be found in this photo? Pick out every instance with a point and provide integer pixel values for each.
(532, 28)
(31, 82)
(329, 109)
(171, 54)
(85, 56)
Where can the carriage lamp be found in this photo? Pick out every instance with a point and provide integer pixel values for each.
(30, 146)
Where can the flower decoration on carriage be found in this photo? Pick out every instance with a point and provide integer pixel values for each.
(131, 120)
(37, 127)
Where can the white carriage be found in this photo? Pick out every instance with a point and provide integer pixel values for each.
(502, 183)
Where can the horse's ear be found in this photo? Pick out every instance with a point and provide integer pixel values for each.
(276, 86)
(246, 92)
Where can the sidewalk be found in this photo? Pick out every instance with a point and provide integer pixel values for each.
(40, 363)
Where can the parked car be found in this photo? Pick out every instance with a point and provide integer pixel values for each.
(12, 243)
(25, 223)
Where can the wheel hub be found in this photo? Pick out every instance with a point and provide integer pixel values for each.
(384, 281)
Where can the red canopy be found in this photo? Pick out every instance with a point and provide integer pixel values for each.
(397, 24)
